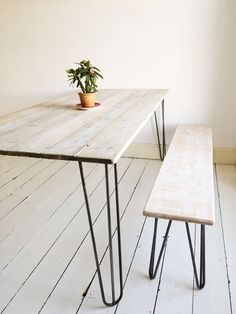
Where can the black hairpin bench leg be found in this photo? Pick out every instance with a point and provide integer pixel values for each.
(152, 270)
(200, 281)
(114, 299)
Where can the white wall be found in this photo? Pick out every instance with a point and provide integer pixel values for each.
(187, 46)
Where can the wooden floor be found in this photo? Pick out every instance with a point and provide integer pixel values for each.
(46, 259)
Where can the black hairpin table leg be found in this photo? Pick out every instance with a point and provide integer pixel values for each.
(114, 299)
(162, 150)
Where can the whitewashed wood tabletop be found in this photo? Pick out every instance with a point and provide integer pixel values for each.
(57, 130)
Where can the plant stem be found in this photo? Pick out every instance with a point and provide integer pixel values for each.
(81, 86)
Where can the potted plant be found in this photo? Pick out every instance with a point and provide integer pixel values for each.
(85, 76)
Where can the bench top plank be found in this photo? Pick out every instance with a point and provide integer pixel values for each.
(184, 188)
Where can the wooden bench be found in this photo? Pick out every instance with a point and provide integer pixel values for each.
(184, 191)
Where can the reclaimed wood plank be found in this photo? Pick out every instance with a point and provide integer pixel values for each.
(59, 135)
(58, 120)
(22, 114)
(11, 123)
(110, 144)
(64, 133)
(81, 138)
(184, 188)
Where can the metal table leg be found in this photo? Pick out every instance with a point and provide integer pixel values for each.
(114, 299)
(162, 150)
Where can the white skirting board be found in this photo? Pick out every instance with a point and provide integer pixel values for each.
(222, 155)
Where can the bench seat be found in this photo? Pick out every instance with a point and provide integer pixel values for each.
(184, 187)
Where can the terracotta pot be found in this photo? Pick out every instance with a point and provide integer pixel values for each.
(87, 100)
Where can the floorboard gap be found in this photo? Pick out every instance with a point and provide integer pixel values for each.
(222, 229)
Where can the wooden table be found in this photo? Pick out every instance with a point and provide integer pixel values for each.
(56, 130)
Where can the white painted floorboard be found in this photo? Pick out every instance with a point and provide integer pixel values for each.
(46, 258)
(227, 194)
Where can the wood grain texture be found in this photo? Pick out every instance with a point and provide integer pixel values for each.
(57, 130)
(184, 187)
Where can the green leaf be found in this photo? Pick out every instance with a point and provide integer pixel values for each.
(70, 71)
(98, 74)
(81, 73)
(96, 69)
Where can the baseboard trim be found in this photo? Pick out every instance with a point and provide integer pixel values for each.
(221, 155)
(224, 155)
